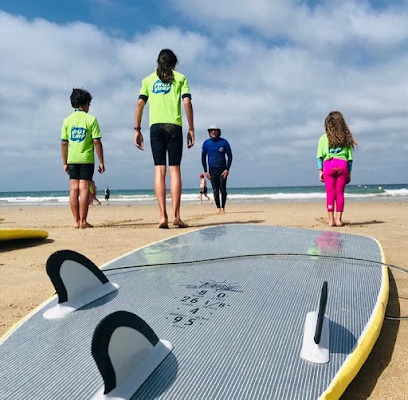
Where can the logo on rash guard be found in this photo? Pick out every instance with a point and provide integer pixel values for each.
(78, 134)
(161, 87)
(221, 149)
(335, 151)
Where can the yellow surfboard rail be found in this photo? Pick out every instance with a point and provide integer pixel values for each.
(7, 234)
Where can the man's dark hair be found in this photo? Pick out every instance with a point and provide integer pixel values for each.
(80, 97)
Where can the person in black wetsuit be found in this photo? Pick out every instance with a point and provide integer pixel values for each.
(217, 151)
(107, 193)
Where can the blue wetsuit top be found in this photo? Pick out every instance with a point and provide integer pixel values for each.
(216, 151)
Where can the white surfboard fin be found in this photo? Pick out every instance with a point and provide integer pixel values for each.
(316, 333)
(77, 281)
(126, 351)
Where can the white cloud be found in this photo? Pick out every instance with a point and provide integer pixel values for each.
(267, 74)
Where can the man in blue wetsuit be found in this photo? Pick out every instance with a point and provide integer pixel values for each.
(218, 152)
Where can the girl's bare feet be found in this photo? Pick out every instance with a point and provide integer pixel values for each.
(178, 222)
(339, 223)
(86, 225)
(163, 223)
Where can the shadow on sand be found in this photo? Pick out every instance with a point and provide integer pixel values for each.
(22, 244)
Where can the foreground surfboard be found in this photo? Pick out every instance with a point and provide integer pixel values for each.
(225, 312)
(7, 234)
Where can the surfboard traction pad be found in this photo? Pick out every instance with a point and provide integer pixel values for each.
(236, 324)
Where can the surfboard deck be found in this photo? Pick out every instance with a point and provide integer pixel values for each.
(232, 300)
(7, 234)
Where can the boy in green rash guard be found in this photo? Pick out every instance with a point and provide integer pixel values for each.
(165, 88)
(80, 137)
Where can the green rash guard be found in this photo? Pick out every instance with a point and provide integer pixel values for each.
(165, 105)
(324, 153)
(80, 129)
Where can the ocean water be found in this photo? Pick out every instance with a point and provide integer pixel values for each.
(377, 192)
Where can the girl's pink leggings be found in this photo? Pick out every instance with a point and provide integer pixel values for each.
(335, 174)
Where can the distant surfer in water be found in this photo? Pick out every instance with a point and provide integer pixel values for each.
(218, 152)
(334, 162)
(166, 89)
(107, 193)
(80, 137)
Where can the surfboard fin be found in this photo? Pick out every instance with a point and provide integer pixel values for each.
(315, 346)
(126, 351)
(77, 281)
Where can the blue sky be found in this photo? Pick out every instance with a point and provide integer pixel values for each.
(267, 71)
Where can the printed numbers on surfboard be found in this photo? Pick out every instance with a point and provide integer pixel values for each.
(201, 301)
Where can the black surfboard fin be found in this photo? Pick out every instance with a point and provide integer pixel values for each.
(316, 332)
(126, 351)
(77, 281)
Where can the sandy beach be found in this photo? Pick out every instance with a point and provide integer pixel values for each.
(119, 229)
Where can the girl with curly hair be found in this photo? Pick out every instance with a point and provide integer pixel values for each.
(334, 162)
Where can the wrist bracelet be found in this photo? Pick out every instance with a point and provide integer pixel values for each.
(137, 128)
